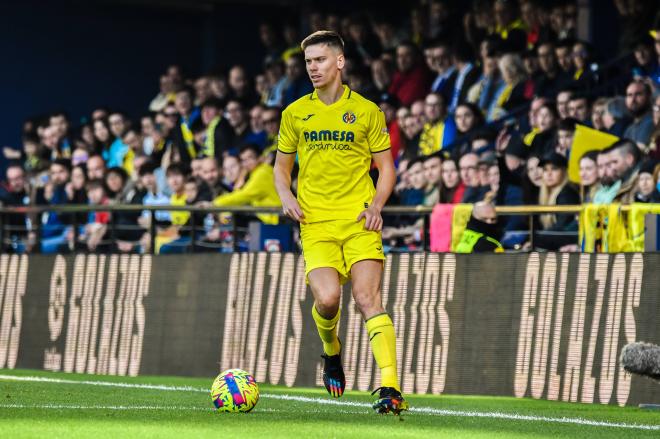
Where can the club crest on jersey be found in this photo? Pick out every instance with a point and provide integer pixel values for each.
(349, 117)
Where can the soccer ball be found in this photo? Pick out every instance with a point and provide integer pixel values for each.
(234, 391)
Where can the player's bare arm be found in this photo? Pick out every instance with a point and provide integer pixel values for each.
(384, 187)
(282, 171)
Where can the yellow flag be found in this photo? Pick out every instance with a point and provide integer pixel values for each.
(460, 218)
(586, 139)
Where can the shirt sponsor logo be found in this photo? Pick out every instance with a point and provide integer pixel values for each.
(328, 135)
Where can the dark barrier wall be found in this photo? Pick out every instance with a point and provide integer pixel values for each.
(539, 325)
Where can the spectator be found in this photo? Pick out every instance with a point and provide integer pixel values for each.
(517, 90)
(439, 129)
(297, 80)
(133, 140)
(165, 95)
(438, 59)
(556, 191)
(55, 232)
(564, 54)
(95, 167)
(481, 233)
(412, 130)
(219, 134)
(468, 119)
(382, 73)
(59, 122)
(615, 117)
(583, 76)
(624, 162)
(547, 120)
(117, 184)
(75, 189)
(638, 102)
(258, 189)
(411, 193)
(115, 154)
(433, 174)
(103, 137)
(647, 190)
(609, 183)
(469, 177)
(151, 196)
(588, 176)
(256, 127)
(239, 123)
(579, 109)
(565, 133)
(490, 85)
(414, 183)
(233, 175)
(597, 112)
(277, 82)
(452, 188)
(563, 97)
(532, 181)
(211, 184)
(653, 148)
(645, 65)
(270, 120)
(15, 191)
(203, 93)
(411, 80)
(508, 26)
(95, 232)
(239, 87)
(552, 78)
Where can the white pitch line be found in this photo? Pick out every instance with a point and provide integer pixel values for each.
(306, 399)
(100, 407)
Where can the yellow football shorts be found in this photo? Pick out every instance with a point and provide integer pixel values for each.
(339, 244)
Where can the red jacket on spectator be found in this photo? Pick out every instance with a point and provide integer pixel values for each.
(395, 139)
(411, 86)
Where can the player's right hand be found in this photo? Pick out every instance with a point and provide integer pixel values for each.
(291, 208)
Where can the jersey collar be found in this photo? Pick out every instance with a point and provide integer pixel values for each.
(346, 95)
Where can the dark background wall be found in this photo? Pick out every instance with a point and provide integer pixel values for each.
(78, 55)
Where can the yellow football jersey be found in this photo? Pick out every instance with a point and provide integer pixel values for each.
(334, 145)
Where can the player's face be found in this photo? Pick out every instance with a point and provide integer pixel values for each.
(324, 64)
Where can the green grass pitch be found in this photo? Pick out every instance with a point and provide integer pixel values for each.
(42, 404)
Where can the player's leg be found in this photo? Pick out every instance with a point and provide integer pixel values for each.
(324, 266)
(366, 278)
(326, 289)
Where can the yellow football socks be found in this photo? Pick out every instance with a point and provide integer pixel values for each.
(327, 331)
(383, 345)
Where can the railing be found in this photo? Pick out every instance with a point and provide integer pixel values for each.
(193, 229)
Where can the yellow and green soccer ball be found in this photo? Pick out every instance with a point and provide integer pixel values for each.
(234, 391)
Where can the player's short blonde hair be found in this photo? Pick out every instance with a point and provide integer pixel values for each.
(329, 37)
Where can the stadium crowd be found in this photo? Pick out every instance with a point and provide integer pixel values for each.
(487, 105)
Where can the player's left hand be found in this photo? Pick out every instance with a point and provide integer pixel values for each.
(373, 220)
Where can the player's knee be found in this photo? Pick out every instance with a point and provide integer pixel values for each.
(366, 300)
(327, 302)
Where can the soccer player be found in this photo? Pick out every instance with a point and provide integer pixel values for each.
(336, 134)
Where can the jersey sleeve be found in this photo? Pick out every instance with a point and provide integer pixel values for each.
(377, 134)
(287, 139)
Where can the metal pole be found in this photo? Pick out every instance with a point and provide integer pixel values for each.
(75, 231)
(2, 232)
(193, 232)
(234, 232)
(152, 232)
(425, 232)
(113, 224)
(531, 230)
